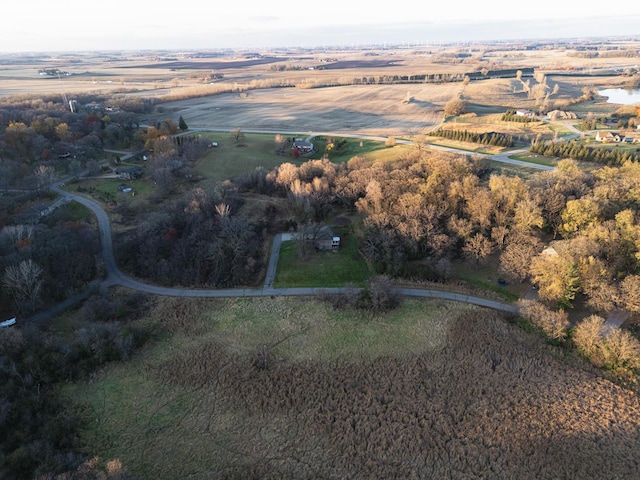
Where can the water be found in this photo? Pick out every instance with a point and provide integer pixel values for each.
(621, 95)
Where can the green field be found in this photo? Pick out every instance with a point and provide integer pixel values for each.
(534, 158)
(230, 158)
(106, 189)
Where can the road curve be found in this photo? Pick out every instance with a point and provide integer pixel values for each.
(116, 277)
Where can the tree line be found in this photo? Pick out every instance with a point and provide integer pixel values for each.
(487, 138)
(583, 152)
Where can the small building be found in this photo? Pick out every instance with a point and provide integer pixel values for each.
(129, 173)
(525, 113)
(41, 210)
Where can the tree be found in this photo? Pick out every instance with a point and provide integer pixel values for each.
(578, 215)
(630, 293)
(45, 176)
(554, 324)
(477, 248)
(621, 350)
(587, 337)
(182, 125)
(24, 281)
(455, 106)
(237, 134)
(515, 260)
(556, 276)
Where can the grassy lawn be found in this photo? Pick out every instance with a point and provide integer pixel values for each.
(71, 211)
(323, 269)
(486, 277)
(230, 158)
(369, 149)
(469, 147)
(534, 158)
(597, 106)
(561, 130)
(106, 189)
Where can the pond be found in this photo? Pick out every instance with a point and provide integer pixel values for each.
(621, 95)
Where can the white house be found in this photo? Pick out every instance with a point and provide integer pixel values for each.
(609, 136)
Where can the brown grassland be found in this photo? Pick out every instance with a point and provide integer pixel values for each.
(434, 390)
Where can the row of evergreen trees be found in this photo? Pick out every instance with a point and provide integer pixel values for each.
(511, 116)
(488, 138)
(577, 151)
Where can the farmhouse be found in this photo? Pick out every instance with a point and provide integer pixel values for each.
(303, 146)
(326, 240)
(41, 210)
(609, 136)
(129, 173)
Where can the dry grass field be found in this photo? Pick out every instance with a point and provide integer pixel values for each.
(410, 394)
(365, 109)
(271, 91)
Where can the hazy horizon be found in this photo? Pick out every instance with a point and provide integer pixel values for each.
(42, 26)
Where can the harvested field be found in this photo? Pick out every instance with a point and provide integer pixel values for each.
(463, 394)
(366, 109)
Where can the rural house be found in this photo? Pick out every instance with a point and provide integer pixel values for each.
(326, 240)
(129, 173)
(303, 146)
(609, 136)
(524, 113)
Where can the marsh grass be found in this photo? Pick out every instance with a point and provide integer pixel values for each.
(161, 429)
(431, 387)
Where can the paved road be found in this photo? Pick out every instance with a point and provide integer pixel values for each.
(116, 277)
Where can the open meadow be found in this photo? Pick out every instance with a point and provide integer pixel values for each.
(291, 388)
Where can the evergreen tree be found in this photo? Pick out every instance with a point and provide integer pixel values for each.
(182, 125)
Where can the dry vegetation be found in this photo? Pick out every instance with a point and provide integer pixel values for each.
(439, 404)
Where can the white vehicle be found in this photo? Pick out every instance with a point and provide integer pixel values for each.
(8, 323)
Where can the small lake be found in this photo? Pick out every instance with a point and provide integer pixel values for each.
(621, 95)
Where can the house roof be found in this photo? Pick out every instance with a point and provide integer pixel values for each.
(302, 143)
(128, 169)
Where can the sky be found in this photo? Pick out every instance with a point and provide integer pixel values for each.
(78, 25)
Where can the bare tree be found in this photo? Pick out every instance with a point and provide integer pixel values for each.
(587, 336)
(237, 134)
(477, 248)
(24, 281)
(45, 176)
